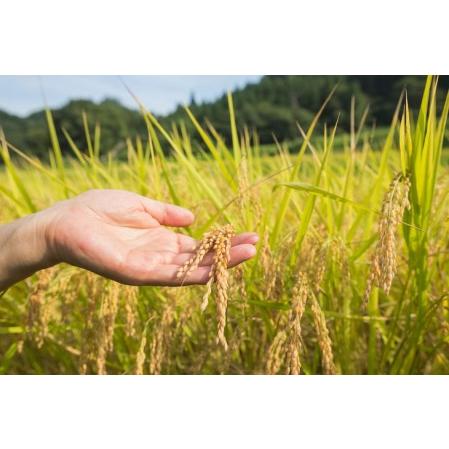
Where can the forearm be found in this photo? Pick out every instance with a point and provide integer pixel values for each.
(23, 249)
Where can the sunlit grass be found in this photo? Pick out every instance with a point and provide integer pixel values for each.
(316, 210)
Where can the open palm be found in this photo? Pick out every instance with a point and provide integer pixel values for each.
(123, 236)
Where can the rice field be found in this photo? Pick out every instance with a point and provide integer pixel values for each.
(350, 276)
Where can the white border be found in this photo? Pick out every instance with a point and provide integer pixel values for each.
(223, 37)
(223, 412)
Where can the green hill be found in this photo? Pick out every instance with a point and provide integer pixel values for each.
(277, 103)
(272, 106)
(117, 122)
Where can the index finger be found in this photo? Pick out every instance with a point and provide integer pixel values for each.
(168, 214)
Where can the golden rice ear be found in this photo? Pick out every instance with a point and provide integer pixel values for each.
(384, 259)
(300, 294)
(222, 248)
(218, 241)
(141, 355)
(161, 339)
(193, 263)
(276, 353)
(105, 330)
(38, 308)
(130, 297)
(324, 339)
(205, 300)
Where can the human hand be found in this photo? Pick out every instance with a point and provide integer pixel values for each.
(123, 236)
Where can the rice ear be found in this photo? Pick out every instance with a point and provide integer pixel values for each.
(383, 262)
(218, 241)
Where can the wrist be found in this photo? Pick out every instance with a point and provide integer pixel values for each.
(24, 248)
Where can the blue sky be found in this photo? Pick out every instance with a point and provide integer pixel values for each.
(21, 95)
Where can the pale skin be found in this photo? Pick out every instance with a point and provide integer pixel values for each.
(114, 233)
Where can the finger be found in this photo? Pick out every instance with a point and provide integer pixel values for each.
(246, 237)
(236, 253)
(188, 244)
(168, 214)
(167, 274)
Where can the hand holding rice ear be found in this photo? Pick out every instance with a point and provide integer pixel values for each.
(117, 234)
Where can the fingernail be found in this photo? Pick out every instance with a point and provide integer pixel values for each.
(254, 238)
(251, 251)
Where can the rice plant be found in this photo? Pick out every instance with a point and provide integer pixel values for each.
(349, 278)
